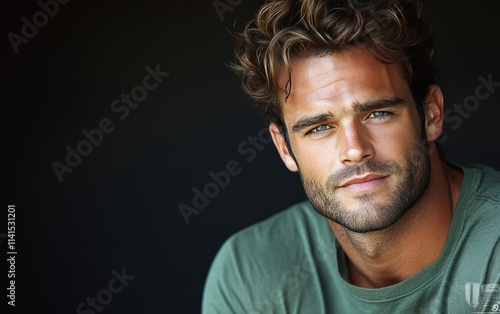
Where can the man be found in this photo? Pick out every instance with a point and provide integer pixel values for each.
(348, 88)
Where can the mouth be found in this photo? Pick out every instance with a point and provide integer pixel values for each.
(364, 182)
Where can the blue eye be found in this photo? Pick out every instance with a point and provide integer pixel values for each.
(377, 114)
(319, 131)
(320, 128)
(380, 114)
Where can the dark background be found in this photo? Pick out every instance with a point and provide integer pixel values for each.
(119, 207)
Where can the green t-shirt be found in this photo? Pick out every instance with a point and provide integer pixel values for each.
(292, 263)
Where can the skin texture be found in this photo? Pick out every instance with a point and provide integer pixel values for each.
(349, 116)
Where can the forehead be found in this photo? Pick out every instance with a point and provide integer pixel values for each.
(340, 80)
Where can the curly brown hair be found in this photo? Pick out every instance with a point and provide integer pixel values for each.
(391, 30)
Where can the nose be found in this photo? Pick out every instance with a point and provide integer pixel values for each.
(354, 143)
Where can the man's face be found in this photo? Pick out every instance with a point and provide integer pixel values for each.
(356, 136)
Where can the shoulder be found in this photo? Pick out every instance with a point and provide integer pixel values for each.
(483, 183)
(477, 256)
(489, 182)
(272, 240)
(477, 216)
(256, 260)
(291, 222)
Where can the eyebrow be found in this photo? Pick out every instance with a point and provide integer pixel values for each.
(306, 122)
(391, 102)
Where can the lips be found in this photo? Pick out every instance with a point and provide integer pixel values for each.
(364, 180)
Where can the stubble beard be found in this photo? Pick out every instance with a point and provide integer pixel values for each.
(412, 180)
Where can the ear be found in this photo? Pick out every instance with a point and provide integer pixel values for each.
(280, 143)
(434, 112)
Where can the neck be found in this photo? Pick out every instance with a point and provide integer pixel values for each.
(386, 257)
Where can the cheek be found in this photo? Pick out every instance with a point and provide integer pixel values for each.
(316, 159)
(395, 142)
